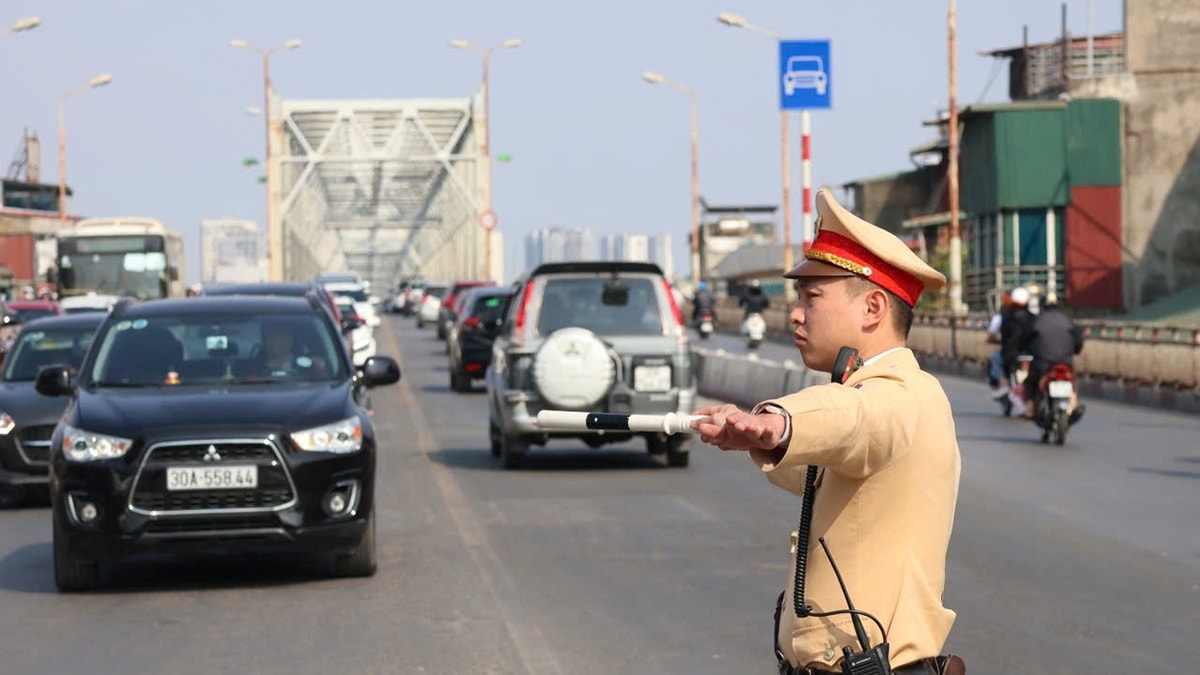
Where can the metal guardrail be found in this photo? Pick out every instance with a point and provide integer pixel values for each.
(1133, 353)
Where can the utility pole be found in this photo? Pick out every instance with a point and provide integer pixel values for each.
(486, 150)
(956, 303)
(697, 275)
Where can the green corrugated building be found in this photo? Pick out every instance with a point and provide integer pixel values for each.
(1034, 176)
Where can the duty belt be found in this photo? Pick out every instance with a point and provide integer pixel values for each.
(930, 666)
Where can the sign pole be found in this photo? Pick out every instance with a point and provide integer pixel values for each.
(787, 202)
(806, 171)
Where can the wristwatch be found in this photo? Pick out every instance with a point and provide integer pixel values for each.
(776, 409)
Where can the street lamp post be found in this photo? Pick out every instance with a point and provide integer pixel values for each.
(97, 81)
(274, 229)
(485, 142)
(22, 25)
(657, 78)
(739, 21)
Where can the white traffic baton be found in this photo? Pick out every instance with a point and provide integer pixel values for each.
(564, 420)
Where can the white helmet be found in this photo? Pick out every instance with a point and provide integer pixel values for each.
(1020, 296)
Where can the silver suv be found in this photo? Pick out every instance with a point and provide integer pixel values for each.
(593, 337)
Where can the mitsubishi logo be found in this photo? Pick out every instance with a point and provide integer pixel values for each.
(572, 348)
(212, 455)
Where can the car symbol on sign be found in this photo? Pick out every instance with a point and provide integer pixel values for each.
(805, 72)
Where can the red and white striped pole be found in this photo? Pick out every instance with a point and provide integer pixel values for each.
(806, 175)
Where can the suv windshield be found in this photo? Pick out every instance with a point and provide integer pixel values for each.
(39, 348)
(576, 302)
(216, 349)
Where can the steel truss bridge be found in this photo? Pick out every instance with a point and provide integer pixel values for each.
(387, 188)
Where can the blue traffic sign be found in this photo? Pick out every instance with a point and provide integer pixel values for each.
(804, 77)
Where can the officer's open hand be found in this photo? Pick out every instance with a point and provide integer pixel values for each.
(730, 428)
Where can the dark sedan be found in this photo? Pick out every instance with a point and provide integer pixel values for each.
(218, 424)
(473, 333)
(27, 419)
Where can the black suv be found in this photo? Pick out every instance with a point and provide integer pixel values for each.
(213, 424)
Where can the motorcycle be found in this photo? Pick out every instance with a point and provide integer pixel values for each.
(1055, 413)
(754, 327)
(705, 326)
(1012, 399)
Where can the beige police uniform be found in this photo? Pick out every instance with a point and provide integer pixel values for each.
(890, 461)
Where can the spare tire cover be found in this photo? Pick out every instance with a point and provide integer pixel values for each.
(573, 369)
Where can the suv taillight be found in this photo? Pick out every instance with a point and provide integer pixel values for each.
(520, 321)
(674, 306)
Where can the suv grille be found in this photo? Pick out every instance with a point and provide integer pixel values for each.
(185, 525)
(34, 443)
(274, 489)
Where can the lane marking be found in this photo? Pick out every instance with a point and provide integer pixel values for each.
(531, 646)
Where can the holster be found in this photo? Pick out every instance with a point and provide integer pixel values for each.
(946, 665)
(779, 660)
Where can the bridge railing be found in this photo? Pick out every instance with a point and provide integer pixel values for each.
(1133, 353)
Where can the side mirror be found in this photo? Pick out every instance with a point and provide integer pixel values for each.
(352, 322)
(55, 381)
(173, 273)
(380, 370)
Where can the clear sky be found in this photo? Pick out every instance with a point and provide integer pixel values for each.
(592, 144)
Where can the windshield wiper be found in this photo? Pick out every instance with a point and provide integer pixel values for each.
(124, 385)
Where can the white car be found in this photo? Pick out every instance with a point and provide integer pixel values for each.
(358, 295)
(92, 302)
(430, 309)
(362, 339)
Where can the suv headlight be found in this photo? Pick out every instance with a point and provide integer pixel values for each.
(84, 446)
(340, 437)
(7, 424)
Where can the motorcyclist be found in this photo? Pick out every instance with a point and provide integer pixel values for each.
(1052, 339)
(1015, 323)
(754, 301)
(997, 379)
(703, 303)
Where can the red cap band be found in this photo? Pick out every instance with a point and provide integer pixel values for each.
(835, 249)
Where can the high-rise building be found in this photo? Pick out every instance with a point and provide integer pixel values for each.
(654, 248)
(558, 244)
(660, 252)
(233, 250)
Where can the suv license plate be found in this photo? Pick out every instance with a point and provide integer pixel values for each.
(1061, 389)
(242, 477)
(652, 378)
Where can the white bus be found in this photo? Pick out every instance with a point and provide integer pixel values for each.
(137, 257)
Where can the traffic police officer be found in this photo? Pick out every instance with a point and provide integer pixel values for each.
(885, 443)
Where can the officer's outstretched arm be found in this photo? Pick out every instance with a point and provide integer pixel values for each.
(853, 431)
